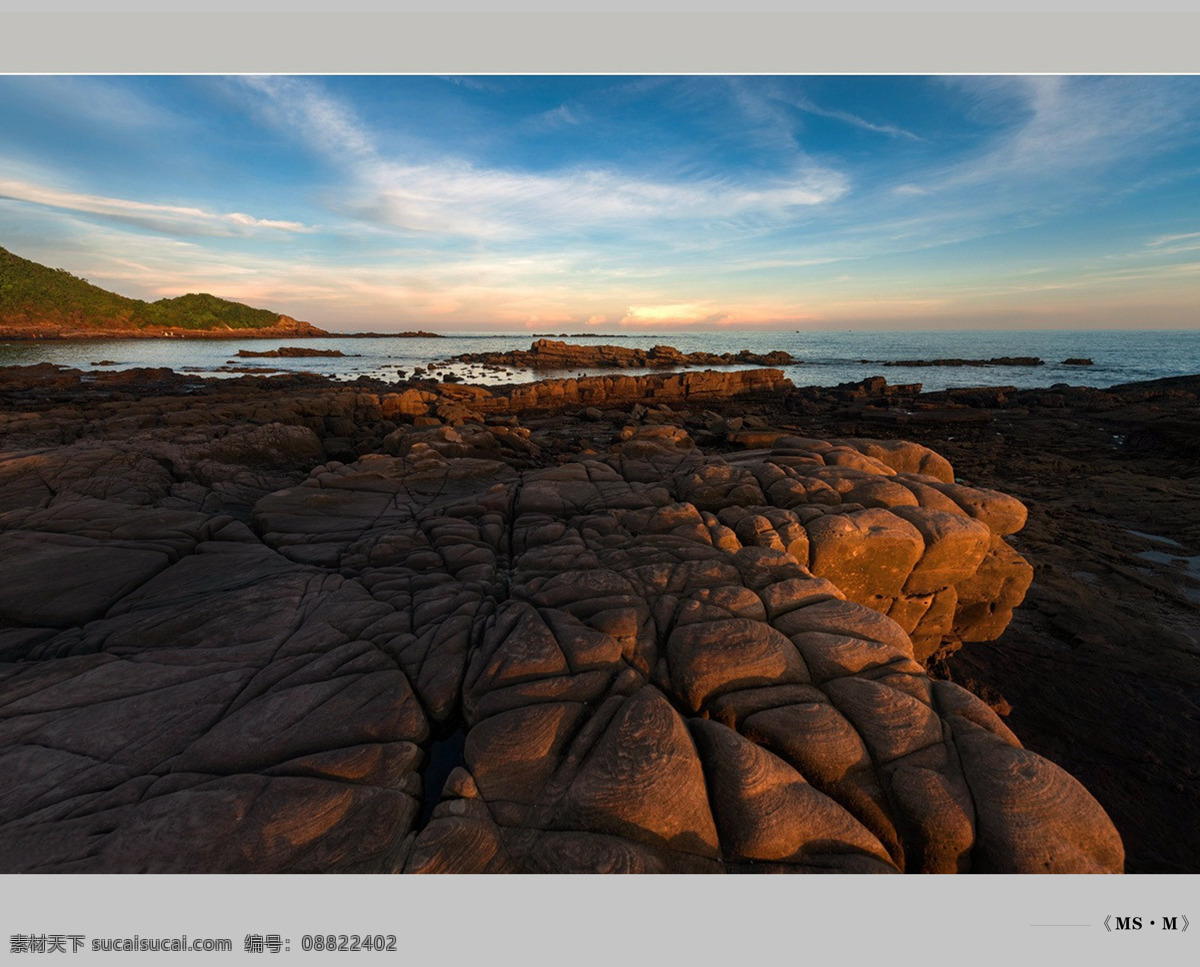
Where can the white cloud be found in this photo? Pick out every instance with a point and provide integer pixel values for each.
(171, 219)
(461, 199)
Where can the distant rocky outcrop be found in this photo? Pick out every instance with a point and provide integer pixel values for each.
(551, 354)
(285, 352)
(237, 621)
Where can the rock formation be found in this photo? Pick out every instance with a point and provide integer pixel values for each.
(223, 650)
(553, 354)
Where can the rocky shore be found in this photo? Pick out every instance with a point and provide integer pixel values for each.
(700, 621)
(551, 354)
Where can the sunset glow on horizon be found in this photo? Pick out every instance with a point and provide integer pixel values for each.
(612, 203)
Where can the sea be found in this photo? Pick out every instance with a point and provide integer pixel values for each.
(827, 357)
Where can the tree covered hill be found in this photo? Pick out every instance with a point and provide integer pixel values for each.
(34, 296)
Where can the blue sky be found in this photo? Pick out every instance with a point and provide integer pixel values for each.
(620, 203)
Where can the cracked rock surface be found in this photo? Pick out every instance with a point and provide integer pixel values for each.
(222, 651)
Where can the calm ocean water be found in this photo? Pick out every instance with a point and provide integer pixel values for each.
(828, 358)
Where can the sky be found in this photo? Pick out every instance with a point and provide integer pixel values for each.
(614, 203)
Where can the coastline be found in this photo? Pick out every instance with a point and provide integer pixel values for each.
(67, 331)
(1094, 672)
(36, 335)
(819, 358)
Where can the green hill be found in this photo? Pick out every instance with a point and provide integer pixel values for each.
(34, 296)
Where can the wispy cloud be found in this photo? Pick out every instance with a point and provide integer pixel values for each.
(1040, 150)
(556, 119)
(456, 197)
(766, 118)
(461, 199)
(96, 104)
(1172, 239)
(485, 85)
(1057, 128)
(303, 109)
(891, 130)
(170, 219)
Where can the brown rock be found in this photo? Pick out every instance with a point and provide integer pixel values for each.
(226, 651)
(766, 811)
(869, 554)
(643, 781)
